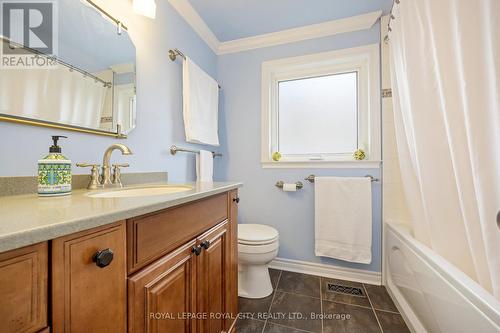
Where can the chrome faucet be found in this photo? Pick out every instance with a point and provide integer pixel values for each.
(105, 180)
(106, 168)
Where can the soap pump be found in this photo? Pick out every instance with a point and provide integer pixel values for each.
(54, 172)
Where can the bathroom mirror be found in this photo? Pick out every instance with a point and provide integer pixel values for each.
(87, 85)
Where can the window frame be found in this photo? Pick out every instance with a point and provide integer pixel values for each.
(365, 61)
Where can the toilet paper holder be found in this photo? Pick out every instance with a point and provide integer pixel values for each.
(280, 183)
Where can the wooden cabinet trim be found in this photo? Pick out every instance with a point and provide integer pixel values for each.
(232, 295)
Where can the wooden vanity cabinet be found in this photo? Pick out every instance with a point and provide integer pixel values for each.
(88, 285)
(171, 271)
(23, 289)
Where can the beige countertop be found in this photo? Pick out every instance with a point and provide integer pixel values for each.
(29, 219)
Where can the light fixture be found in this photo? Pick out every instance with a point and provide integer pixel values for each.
(145, 7)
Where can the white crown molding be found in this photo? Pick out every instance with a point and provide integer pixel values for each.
(192, 17)
(354, 23)
(329, 28)
(328, 271)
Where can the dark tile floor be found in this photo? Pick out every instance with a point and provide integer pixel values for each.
(302, 303)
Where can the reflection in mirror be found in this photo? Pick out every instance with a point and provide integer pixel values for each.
(92, 84)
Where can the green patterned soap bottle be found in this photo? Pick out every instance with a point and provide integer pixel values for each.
(54, 172)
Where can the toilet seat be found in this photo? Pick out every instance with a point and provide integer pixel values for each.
(253, 249)
(257, 234)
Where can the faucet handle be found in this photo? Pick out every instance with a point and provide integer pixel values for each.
(94, 174)
(117, 173)
(84, 165)
(123, 165)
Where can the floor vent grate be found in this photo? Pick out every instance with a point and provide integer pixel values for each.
(346, 290)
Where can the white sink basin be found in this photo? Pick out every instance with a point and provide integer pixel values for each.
(141, 191)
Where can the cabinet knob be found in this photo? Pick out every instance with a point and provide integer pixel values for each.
(103, 258)
(196, 250)
(205, 244)
(237, 200)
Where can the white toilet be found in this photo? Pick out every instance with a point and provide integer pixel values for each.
(257, 246)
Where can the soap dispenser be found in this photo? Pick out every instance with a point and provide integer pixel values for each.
(54, 172)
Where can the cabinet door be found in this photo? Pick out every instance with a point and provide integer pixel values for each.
(213, 278)
(162, 295)
(23, 289)
(86, 297)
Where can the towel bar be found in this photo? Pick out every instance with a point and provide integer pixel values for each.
(173, 53)
(310, 178)
(174, 149)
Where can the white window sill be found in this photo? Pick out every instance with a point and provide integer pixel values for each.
(368, 164)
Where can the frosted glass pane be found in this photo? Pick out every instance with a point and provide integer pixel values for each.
(318, 115)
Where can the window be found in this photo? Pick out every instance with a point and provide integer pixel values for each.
(318, 115)
(319, 109)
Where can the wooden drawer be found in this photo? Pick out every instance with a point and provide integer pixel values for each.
(151, 236)
(23, 289)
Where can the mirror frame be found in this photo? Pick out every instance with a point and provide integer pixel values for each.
(42, 123)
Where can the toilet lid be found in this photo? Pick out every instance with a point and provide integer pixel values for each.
(256, 234)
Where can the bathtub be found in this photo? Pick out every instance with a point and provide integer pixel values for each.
(431, 294)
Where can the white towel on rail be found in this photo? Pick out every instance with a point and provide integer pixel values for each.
(204, 166)
(200, 104)
(343, 218)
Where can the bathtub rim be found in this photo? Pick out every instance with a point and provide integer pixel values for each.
(470, 289)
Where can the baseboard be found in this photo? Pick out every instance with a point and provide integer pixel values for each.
(329, 271)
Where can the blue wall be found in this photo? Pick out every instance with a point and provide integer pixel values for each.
(159, 125)
(159, 104)
(261, 202)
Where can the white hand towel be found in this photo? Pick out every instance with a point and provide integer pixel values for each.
(204, 166)
(200, 105)
(343, 218)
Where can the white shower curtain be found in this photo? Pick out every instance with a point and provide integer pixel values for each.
(445, 62)
(56, 95)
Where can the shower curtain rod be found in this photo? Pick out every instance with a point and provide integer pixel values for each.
(59, 61)
(391, 17)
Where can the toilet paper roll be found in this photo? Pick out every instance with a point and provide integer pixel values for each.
(289, 187)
